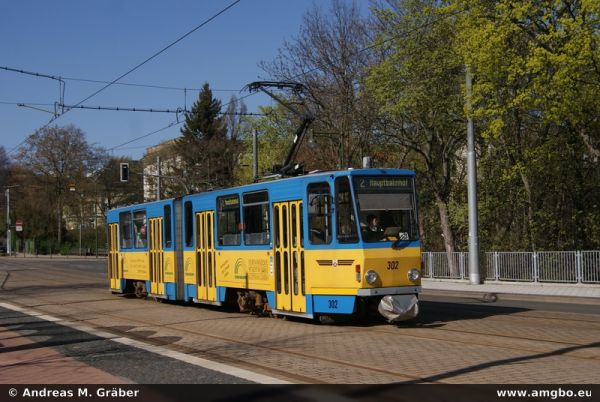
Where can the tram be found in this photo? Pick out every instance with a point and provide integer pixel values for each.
(320, 246)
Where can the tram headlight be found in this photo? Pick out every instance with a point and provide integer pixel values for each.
(371, 277)
(414, 274)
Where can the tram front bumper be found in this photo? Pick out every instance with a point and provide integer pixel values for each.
(396, 308)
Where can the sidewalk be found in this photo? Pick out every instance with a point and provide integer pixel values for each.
(24, 361)
(576, 292)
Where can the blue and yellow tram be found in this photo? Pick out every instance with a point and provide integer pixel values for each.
(319, 245)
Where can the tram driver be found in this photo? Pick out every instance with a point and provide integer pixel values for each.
(371, 230)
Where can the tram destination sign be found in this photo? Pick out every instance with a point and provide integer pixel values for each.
(228, 202)
(378, 184)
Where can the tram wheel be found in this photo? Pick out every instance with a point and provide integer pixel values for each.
(140, 290)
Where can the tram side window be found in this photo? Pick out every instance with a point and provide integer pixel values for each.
(140, 229)
(256, 218)
(319, 213)
(167, 226)
(125, 226)
(229, 220)
(189, 223)
(346, 223)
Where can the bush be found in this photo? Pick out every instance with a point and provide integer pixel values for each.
(65, 249)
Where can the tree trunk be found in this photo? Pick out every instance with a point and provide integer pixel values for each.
(530, 220)
(59, 222)
(592, 149)
(448, 236)
(422, 235)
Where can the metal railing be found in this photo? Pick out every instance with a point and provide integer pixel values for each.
(537, 266)
(446, 265)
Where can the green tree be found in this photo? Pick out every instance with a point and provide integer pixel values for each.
(275, 133)
(536, 98)
(205, 149)
(113, 193)
(547, 52)
(30, 201)
(418, 90)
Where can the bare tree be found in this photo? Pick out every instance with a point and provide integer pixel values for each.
(235, 123)
(330, 57)
(4, 165)
(60, 155)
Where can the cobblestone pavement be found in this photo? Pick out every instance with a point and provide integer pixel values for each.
(447, 344)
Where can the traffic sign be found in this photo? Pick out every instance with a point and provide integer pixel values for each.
(19, 225)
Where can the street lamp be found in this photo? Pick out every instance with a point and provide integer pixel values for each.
(8, 231)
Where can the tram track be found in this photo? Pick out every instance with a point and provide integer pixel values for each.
(563, 318)
(72, 277)
(343, 363)
(393, 331)
(266, 369)
(221, 358)
(420, 336)
(495, 345)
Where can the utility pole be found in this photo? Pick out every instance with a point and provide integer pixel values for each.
(474, 275)
(8, 233)
(254, 155)
(158, 183)
(80, 220)
(96, 218)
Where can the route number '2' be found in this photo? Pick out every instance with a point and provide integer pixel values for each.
(392, 265)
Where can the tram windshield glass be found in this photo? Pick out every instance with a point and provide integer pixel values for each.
(386, 208)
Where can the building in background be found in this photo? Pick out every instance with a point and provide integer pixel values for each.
(161, 160)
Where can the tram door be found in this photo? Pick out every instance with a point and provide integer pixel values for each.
(157, 258)
(114, 273)
(205, 256)
(289, 257)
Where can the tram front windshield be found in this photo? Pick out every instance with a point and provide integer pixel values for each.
(386, 208)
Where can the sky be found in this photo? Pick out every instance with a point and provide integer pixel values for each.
(103, 39)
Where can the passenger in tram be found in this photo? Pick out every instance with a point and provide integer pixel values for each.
(372, 231)
(141, 237)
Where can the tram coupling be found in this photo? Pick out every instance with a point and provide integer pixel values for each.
(396, 308)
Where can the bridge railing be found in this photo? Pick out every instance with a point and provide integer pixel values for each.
(522, 266)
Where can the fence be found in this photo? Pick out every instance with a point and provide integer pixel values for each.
(541, 266)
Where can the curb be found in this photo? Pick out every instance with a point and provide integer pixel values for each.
(483, 295)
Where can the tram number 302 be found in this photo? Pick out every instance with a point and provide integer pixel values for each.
(333, 304)
(392, 265)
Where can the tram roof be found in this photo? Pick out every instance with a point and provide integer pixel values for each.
(306, 178)
(277, 183)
